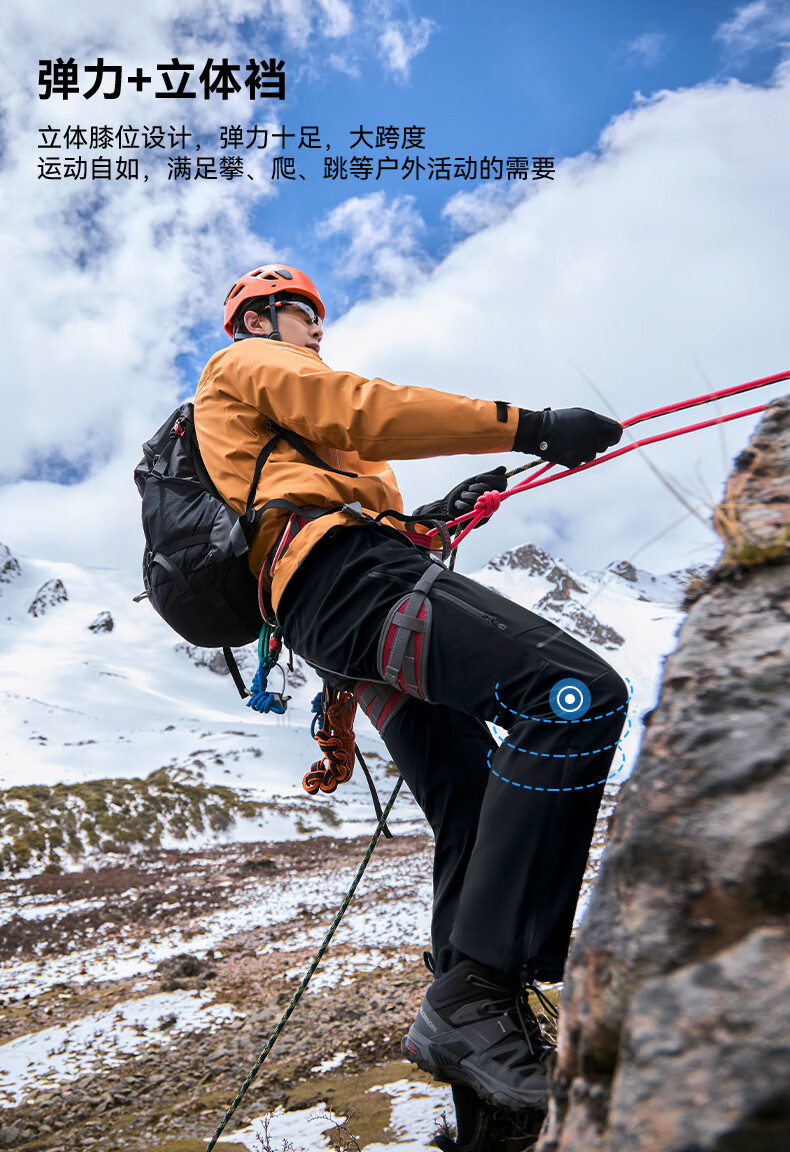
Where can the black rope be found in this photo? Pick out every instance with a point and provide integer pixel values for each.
(308, 975)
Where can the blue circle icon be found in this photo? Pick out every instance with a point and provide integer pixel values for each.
(570, 699)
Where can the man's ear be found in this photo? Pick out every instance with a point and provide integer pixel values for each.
(256, 323)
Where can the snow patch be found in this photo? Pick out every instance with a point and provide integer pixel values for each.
(104, 1039)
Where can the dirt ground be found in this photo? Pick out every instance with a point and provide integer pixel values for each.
(169, 1097)
(172, 1097)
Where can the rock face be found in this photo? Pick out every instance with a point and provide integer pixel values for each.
(626, 570)
(570, 615)
(527, 558)
(213, 659)
(675, 1028)
(48, 595)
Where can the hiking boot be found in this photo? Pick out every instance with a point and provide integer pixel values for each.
(475, 1030)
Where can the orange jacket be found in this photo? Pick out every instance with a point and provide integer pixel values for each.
(352, 423)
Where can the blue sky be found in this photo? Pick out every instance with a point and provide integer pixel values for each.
(656, 261)
(506, 79)
(513, 79)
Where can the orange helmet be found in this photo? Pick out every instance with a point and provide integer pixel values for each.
(270, 280)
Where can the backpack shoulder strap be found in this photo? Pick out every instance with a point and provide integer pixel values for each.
(301, 445)
(295, 442)
(233, 668)
(263, 456)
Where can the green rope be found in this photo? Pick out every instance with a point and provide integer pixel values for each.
(307, 976)
(524, 468)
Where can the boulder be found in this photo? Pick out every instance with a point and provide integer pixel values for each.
(103, 623)
(48, 595)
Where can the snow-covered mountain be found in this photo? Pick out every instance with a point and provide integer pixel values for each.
(136, 736)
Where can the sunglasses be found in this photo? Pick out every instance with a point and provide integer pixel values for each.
(306, 311)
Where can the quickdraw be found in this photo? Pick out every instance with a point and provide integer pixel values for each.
(269, 648)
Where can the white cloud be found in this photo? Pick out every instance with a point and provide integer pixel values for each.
(401, 41)
(669, 247)
(488, 204)
(648, 48)
(760, 25)
(295, 19)
(382, 240)
(104, 280)
(667, 251)
(339, 17)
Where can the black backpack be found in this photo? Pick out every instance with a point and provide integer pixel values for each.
(195, 568)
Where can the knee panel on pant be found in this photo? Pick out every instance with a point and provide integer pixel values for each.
(611, 690)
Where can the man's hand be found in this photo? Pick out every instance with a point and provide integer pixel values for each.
(464, 496)
(569, 436)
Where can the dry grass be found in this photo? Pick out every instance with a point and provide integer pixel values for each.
(340, 1135)
(743, 546)
(754, 532)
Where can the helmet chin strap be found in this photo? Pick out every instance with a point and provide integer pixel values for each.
(275, 332)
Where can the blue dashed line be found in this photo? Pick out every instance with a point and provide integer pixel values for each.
(569, 788)
(574, 755)
(583, 720)
(619, 767)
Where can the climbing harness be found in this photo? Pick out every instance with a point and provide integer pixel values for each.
(309, 973)
(379, 702)
(402, 655)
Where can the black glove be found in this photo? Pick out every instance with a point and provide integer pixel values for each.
(464, 496)
(569, 436)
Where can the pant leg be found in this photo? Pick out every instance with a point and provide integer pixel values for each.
(545, 781)
(492, 660)
(443, 756)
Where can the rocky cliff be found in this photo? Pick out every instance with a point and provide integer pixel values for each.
(675, 1028)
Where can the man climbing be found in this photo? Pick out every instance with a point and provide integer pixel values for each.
(433, 655)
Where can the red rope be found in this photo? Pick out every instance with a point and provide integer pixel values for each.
(485, 507)
(335, 738)
(706, 399)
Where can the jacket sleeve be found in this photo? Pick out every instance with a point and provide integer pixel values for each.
(374, 418)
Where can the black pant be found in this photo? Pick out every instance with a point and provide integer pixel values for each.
(512, 824)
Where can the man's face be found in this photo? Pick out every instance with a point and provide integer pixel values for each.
(298, 323)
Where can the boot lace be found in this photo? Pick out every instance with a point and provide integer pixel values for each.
(510, 1001)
